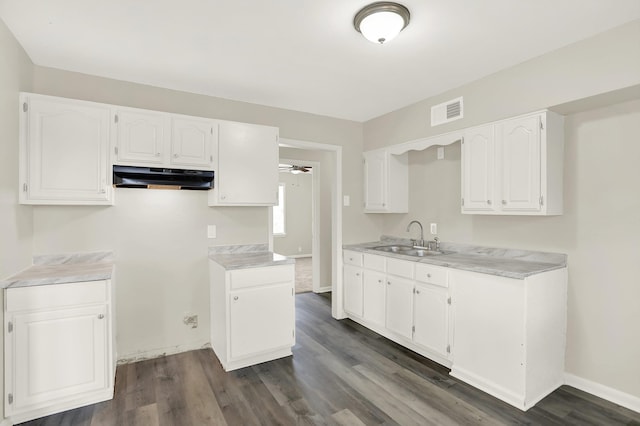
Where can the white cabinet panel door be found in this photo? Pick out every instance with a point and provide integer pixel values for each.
(374, 296)
(400, 306)
(58, 354)
(375, 181)
(192, 142)
(478, 158)
(141, 137)
(353, 290)
(520, 145)
(247, 165)
(66, 150)
(431, 318)
(261, 320)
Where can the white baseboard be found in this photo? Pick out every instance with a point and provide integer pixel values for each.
(157, 353)
(324, 289)
(6, 422)
(613, 395)
(296, 256)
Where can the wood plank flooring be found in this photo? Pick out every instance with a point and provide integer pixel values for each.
(340, 374)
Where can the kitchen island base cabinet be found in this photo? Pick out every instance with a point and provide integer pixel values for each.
(510, 334)
(59, 348)
(252, 314)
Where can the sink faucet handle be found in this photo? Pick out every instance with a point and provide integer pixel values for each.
(437, 240)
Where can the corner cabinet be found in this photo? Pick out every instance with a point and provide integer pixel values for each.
(59, 348)
(64, 151)
(386, 182)
(514, 167)
(247, 165)
(252, 314)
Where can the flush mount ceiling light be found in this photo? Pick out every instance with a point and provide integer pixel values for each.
(382, 21)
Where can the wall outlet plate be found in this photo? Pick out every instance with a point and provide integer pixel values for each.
(211, 231)
(434, 229)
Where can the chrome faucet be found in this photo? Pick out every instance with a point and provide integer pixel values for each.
(420, 242)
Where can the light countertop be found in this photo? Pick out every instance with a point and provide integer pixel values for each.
(247, 256)
(508, 263)
(60, 269)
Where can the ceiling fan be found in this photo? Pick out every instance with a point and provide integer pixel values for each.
(292, 168)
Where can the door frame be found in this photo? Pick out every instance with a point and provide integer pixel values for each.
(337, 310)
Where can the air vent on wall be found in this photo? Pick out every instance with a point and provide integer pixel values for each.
(447, 111)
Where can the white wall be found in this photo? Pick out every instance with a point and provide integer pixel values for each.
(600, 64)
(298, 202)
(600, 227)
(16, 221)
(159, 237)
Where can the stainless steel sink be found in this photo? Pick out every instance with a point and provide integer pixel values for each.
(409, 251)
(394, 249)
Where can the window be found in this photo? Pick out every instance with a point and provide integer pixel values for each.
(278, 212)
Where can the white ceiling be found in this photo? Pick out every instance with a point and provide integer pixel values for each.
(301, 54)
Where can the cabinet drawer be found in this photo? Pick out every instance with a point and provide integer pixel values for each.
(430, 274)
(250, 277)
(372, 261)
(56, 295)
(352, 258)
(401, 268)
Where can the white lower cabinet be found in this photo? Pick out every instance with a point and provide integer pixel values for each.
(431, 311)
(400, 306)
(374, 293)
(252, 314)
(59, 348)
(510, 334)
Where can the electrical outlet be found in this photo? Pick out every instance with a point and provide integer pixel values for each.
(211, 231)
(440, 152)
(191, 320)
(434, 229)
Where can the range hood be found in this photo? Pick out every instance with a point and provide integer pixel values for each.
(161, 178)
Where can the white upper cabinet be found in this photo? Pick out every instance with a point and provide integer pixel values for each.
(514, 166)
(141, 137)
(156, 139)
(247, 166)
(64, 147)
(478, 169)
(386, 182)
(192, 142)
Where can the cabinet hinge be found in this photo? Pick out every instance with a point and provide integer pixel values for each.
(25, 107)
(292, 292)
(413, 328)
(541, 125)
(115, 150)
(448, 349)
(10, 398)
(293, 334)
(448, 301)
(24, 187)
(115, 118)
(10, 327)
(462, 140)
(211, 158)
(463, 202)
(211, 130)
(541, 200)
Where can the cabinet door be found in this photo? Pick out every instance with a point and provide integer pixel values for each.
(353, 290)
(374, 297)
(520, 146)
(66, 149)
(192, 142)
(431, 318)
(247, 165)
(141, 137)
(55, 355)
(375, 181)
(478, 161)
(261, 320)
(400, 306)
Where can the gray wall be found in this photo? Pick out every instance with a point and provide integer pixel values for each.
(298, 195)
(159, 237)
(16, 221)
(600, 227)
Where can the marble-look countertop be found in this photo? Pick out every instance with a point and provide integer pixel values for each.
(66, 268)
(509, 263)
(247, 256)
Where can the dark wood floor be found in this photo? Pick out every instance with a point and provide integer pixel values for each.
(340, 374)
